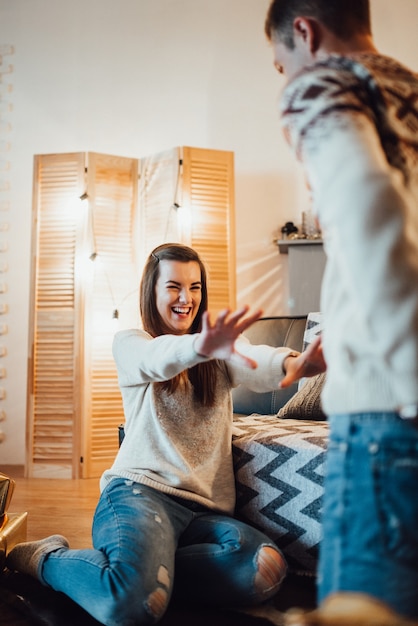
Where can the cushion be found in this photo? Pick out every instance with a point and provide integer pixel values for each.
(306, 403)
(313, 328)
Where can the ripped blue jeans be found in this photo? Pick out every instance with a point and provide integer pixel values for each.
(370, 512)
(141, 537)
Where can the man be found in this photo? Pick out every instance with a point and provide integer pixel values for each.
(351, 116)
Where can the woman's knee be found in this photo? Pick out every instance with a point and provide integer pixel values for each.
(271, 570)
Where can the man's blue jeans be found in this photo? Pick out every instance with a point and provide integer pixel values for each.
(147, 546)
(370, 512)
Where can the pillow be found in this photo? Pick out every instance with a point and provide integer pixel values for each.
(306, 403)
(312, 330)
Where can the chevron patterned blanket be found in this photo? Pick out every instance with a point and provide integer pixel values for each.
(279, 470)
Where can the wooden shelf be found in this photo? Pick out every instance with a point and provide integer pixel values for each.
(284, 244)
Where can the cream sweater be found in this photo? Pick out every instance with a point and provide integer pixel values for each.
(172, 443)
(353, 122)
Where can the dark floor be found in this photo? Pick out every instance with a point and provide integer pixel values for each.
(25, 602)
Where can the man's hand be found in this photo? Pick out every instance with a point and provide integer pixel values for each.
(217, 340)
(309, 363)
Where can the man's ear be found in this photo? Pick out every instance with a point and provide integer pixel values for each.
(308, 32)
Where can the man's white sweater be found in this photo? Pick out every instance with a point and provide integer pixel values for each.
(353, 122)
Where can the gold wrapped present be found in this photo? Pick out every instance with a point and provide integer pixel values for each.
(12, 531)
(7, 486)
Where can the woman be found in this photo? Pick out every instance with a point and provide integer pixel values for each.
(164, 524)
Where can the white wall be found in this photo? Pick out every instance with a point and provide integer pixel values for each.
(132, 78)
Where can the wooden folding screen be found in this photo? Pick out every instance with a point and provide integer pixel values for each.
(185, 194)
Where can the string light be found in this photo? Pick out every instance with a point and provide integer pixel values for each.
(115, 314)
(96, 257)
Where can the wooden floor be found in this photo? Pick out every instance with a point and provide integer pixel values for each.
(55, 506)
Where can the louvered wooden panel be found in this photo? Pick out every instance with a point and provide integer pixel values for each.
(52, 373)
(202, 183)
(159, 191)
(112, 184)
(208, 188)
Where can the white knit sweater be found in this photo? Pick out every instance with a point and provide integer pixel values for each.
(353, 122)
(172, 443)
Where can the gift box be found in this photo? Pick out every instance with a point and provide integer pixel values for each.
(12, 531)
(13, 526)
(7, 486)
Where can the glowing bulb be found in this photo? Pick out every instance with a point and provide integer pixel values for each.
(115, 320)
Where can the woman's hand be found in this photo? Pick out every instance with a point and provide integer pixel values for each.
(309, 363)
(217, 340)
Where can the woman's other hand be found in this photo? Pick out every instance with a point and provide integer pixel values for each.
(309, 363)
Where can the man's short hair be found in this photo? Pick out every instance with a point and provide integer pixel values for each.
(344, 18)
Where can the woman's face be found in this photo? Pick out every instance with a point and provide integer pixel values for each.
(178, 294)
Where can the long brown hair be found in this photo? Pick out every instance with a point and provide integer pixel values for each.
(202, 376)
